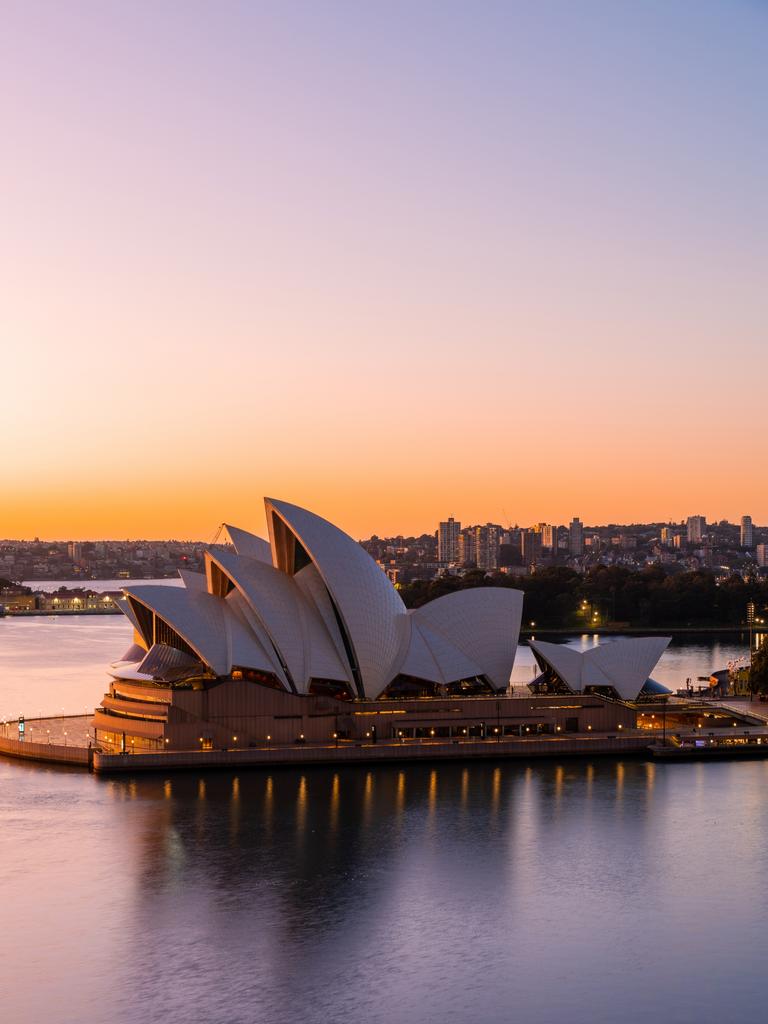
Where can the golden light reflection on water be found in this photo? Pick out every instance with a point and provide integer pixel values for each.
(333, 819)
(432, 797)
(368, 797)
(301, 805)
(559, 776)
(464, 788)
(234, 810)
(269, 802)
(495, 791)
(167, 789)
(400, 796)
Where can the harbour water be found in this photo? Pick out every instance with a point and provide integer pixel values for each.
(572, 893)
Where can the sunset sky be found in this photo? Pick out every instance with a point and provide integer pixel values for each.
(392, 261)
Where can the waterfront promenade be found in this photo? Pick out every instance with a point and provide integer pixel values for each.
(65, 739)
(68, 740)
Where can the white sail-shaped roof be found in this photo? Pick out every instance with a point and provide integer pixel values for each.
(419, 659)
(453, 664)
(245, 543)
(629, 662)
(193, 580)
(246, 648)
(370, 609)
(314, 606)
(275, 601)
(483, 623)
(315, 592)
(242, 609)
(197, 617)
(292, 623)
(567, 662)
(624, 664)
(124, 605)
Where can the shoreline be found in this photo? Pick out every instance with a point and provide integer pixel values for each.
(630, 630)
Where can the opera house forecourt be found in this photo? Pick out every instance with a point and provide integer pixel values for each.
(300, 649)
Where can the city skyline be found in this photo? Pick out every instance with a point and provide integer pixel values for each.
(371, 258)
(537, 524)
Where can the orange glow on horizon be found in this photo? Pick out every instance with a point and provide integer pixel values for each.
(513, 282)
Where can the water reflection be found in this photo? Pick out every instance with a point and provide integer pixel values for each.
(446, 893)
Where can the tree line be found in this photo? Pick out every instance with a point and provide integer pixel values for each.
(559, 597)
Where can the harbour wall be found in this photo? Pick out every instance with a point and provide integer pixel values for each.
(54, 753)
(374, 753)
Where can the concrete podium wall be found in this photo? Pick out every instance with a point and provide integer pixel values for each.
(53, 752)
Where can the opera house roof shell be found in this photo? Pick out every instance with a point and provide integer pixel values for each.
(311, 607)
(623, 665)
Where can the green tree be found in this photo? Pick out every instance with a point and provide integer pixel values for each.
(758, 675)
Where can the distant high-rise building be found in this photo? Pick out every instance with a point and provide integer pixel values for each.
(467, 551)
(487, 540)
(479, 545)
(549, 537)
(530, 546)
(696, 528)
(762, 556)
(576, 537)
(448, 541)
(667, 536)
(74, 551)
(746, 531)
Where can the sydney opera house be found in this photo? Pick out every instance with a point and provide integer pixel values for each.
(302, 639)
